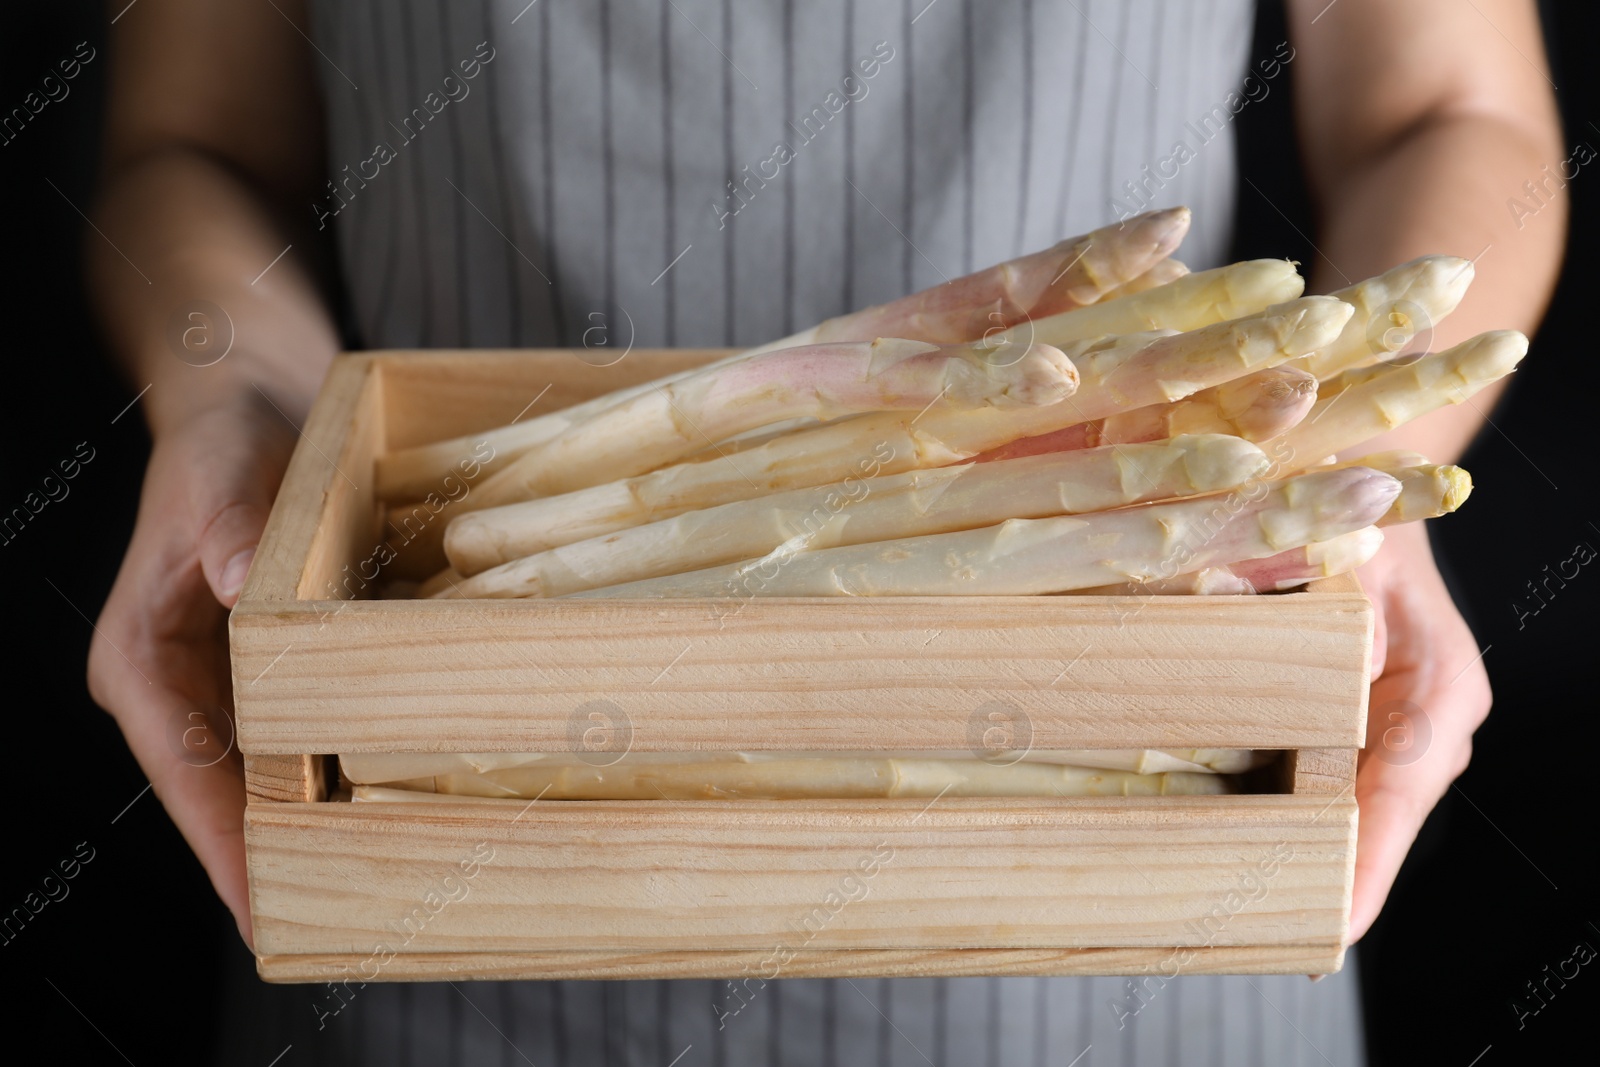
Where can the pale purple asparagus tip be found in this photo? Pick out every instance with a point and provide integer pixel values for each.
(1167, 227)
(1368, 492)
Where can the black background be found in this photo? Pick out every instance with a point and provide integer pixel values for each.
(1501, 884)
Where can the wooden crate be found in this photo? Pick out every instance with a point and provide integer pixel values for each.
(1230, 884)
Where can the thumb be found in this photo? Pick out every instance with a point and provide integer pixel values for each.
(231, 506)
(228, 547)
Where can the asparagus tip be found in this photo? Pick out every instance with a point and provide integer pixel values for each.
(1457, 487)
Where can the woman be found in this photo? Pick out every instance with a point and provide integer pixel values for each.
(501, 174)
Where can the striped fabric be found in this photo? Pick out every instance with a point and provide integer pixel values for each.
(702, 173)
(947, 1022)
(550, 192)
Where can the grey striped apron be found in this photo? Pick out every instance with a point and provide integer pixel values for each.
(705, 173)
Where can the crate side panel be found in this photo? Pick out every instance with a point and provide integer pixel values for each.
(433, 396)
(620, 876)
(326, 493)
(911, 673)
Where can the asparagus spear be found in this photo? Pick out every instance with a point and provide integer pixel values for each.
(1073, 273)
(1284, 570)
(805, 778)
(880, 509)
(1202, 299)
(821, 381)
(1030, 556)
(376, 768)
(1186, 303)
(1036, 285)
(1163, 272)
(1379, 399)
(1428, 492)
(1123, 373)
(1256, 407)
(1391, 310)
(439, 584)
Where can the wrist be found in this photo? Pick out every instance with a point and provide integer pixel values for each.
(180, 391)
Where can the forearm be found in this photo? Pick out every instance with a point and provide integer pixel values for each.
(1444, 188)
(191, 230)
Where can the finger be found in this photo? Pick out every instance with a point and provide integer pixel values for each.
(231, 498)
(1396, 789)
(158, 663)
(205, 800)
(1392, 811)
(232, 517)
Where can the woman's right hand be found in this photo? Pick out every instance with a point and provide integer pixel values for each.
(159, 658)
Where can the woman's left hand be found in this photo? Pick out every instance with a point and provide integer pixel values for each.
(1430, 692)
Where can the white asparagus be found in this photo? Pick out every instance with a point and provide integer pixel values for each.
(1384, 398)
(439, 583)
(1212, 296)
(374, 768)
(807, 777)
(1031, 556)
(1388, 462)
(879, 509)
(1285, 570)
(1204, 299)
(822, 381)
(1392, 310)
(1074, 272)
(1187, 303)
(1256, 407)
(1428, 492)
(1117, 374)
(1163, 272)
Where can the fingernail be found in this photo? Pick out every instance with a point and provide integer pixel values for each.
(234, 572)
(1316, 977)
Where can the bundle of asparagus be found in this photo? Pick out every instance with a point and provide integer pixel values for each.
(1089, 419)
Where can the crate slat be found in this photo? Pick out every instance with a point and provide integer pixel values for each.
(842, 963)
(636, 876)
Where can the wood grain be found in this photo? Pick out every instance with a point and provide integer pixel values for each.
(845, 963)
(285, 779)
(436, 395)
(907, 673)
(719, 875)
(312, 509)
(1322, 771)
